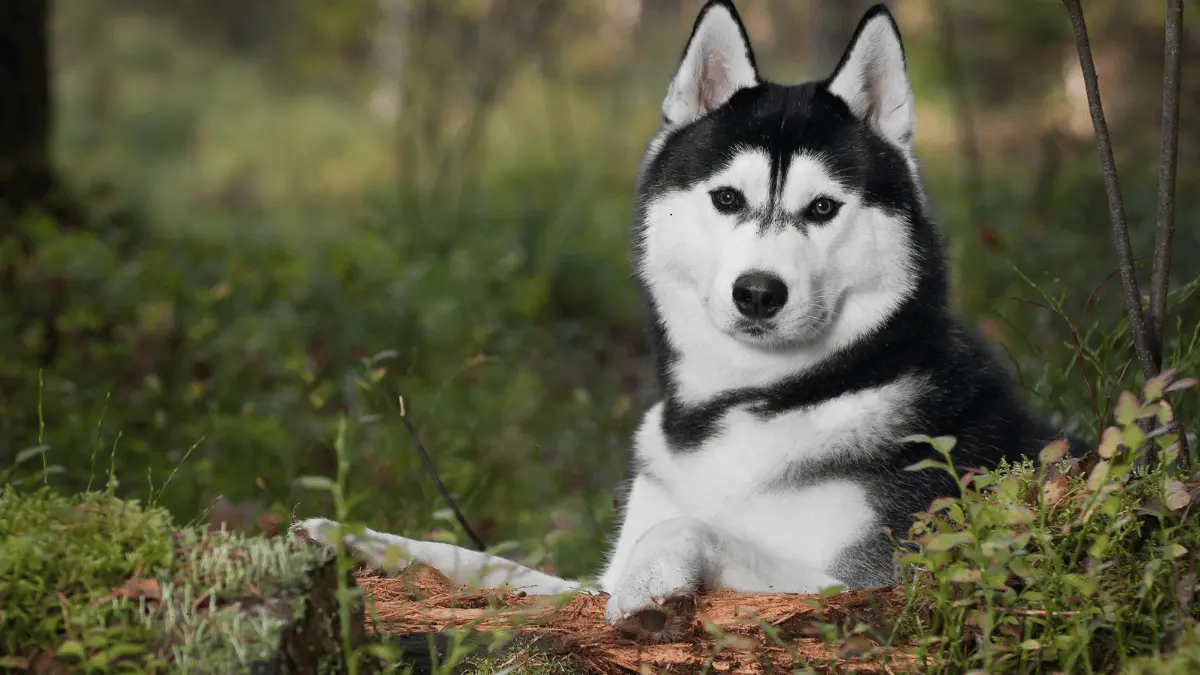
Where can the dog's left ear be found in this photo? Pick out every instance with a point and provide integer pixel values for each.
(872, 79)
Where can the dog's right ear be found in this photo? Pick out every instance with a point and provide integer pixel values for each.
(717, 62)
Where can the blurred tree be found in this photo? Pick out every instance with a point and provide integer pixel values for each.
(27, 179)
(831, 25)
(25, 174)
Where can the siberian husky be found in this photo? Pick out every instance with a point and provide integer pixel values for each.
(796, 290)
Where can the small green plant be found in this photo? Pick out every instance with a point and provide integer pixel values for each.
(1067, 563)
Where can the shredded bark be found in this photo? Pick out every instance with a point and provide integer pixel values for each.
(729, 633)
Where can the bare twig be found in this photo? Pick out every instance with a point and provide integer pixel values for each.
(412, 431)
(1172, 60)
(1112, 186)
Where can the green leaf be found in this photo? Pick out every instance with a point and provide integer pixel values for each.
(1166, 414)
(966, 576)
(1133, 436)
(943, 444)
(831, 591)
(1174, 551)
(928, 464)
(1020, 567)
(946, 541)
(1098, 476)
(71, 648)
(1154, 387)
(1127, 408)
(316, 483)
(29, 453)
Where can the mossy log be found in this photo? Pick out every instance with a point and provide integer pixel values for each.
(94, 583)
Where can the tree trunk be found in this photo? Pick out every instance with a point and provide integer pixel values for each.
(25, 174)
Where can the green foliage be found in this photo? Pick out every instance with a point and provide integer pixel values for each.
(104, 584)
(1071, 564)
(80, 547)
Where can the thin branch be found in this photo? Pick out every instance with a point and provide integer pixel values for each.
(1172, 64)
(437, 480)
(1112, 186)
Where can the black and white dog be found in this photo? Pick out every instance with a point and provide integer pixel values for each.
(797, 291)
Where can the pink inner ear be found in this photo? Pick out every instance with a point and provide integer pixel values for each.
(714, 76)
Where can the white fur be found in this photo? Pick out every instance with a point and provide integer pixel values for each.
(844, 277)
(873, 81)
(716, 64)
(708, 518)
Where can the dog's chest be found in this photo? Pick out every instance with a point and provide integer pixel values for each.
(749, 479)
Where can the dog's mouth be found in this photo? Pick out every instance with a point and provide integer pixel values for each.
(754, 328)
(774, 335)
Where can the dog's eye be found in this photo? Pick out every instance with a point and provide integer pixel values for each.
(822, 210)
(727, 200)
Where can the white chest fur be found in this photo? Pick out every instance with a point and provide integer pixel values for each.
(736, 480)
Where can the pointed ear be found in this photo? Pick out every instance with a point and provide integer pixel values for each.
(872, 79)
(716, 64)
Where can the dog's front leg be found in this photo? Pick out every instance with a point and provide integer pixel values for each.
(679, 557)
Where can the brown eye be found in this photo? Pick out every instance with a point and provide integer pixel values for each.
(822, 210)
(727, 200)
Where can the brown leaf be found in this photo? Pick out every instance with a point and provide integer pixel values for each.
(1110, 442)
(855, 645)
(1185, 590)
(45, 664)
(1176, 497)
(1180, 385)
(138, 587)
(269, 524)
(1054, 490)
(1054, 451)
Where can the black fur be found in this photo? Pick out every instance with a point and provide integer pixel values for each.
(971, 396)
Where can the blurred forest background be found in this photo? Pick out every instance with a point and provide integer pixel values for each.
(225, 224)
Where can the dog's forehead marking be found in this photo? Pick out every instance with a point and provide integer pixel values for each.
(748, 170)
(808, 176)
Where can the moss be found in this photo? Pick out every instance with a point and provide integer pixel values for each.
(103, 584)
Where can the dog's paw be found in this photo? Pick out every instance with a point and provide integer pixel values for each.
(320, 531)
(378, 551)
(661, 620)
(655, 601)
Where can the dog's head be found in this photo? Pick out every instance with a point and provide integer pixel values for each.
(776, 218)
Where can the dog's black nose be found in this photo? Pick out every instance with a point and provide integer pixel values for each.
(759, 296)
